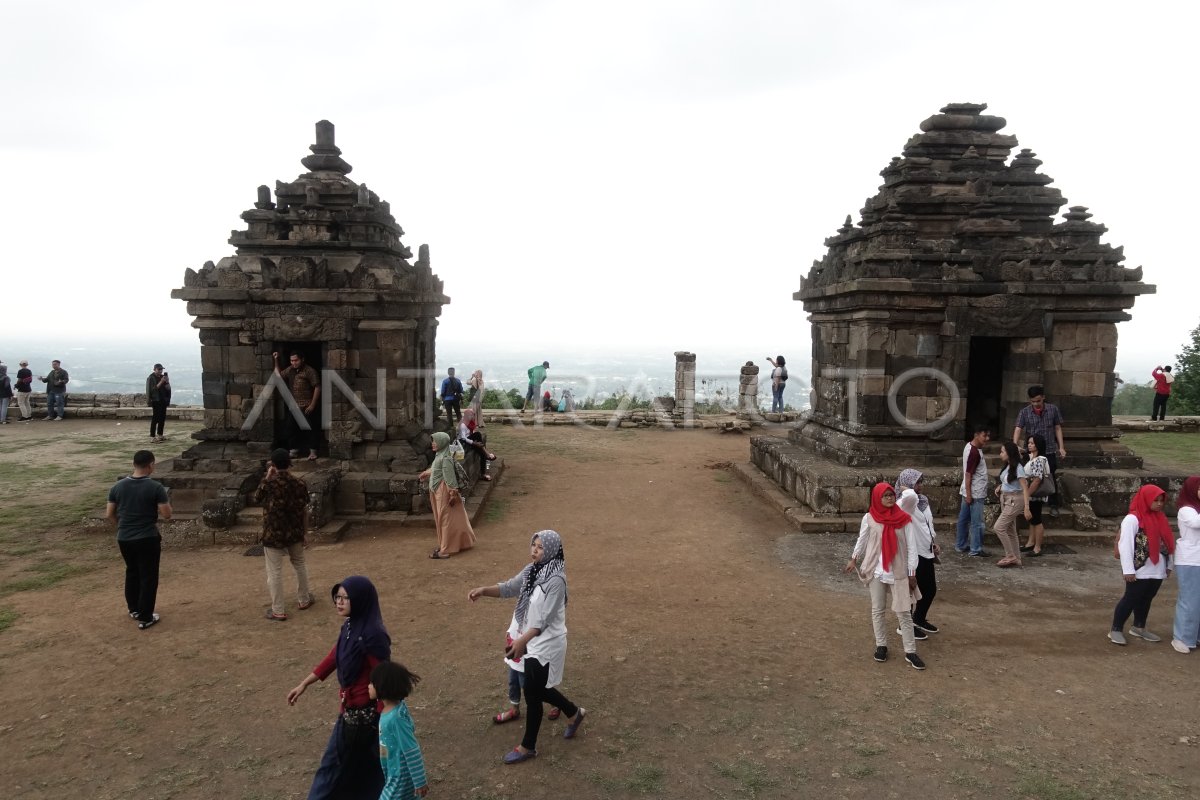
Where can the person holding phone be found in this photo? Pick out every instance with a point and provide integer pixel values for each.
(537, 637)
(158, 397)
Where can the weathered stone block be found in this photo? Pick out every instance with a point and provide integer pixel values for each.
(220, 512)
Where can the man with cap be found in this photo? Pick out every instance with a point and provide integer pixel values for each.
(158, 397)
(23, 387)
(537, 376)
(56, 391)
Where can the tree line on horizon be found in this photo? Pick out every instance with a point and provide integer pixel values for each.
(1136, 399)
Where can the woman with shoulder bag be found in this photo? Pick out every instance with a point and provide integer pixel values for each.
(454, 532)
(1147, 550)
(1041, 486)
(350, 768)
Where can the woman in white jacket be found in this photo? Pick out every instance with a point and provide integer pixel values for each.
(538, 634)
(1146, 548)
(886, 562)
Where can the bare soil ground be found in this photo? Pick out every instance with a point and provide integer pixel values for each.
(719, 653)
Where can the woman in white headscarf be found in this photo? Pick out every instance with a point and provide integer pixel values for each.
(538, 634)
(916, 505)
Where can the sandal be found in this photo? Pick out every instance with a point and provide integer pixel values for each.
(507, 716)
(276, 617)
(515, 756)
(555, 713)
(306, 604)
(573, 726)
(437, 555)
(491, 456)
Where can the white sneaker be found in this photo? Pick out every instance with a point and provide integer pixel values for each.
(1180, 647)
(1116, 637)
(1145, 635)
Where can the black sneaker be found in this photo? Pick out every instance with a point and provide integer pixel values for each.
(979, 554)
(928, 627)
(917, 633)
(914, 661)
(881, 654)
(153, 620)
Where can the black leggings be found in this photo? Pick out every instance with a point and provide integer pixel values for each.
(927, 584)
(536, 693)
(1139, 594)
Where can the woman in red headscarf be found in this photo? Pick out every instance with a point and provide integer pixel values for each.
(885, 558)
(1147, 550)
(1187, 567)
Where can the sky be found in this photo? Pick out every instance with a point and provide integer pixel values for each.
(588, 176)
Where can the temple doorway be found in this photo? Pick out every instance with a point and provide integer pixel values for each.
(985, 385)
(284, 432)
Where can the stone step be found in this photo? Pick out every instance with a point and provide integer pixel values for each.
(801, 517)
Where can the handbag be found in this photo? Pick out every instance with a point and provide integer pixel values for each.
(460, 473)
(1046, 487)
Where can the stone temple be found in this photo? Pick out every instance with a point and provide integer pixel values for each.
(319, 270)
(956, 291)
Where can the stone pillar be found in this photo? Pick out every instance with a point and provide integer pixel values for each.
(748, 389)
(685, 383)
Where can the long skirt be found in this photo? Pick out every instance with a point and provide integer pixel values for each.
(454, 530)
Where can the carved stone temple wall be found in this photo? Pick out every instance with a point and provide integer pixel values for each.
(956, 291)
(319, 269)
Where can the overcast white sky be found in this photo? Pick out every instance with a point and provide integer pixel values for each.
(587, 175)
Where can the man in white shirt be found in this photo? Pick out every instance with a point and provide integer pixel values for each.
(973, 491)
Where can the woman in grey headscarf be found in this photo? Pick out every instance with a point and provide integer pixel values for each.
(538, 634)
(454, 530)
(916, 505)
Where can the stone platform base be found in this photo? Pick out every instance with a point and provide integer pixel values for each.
(814, 488)
(190, 529)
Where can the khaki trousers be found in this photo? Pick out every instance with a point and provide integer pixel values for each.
(24, 404)
(879, 592)
(274, 558)
(1011, 504)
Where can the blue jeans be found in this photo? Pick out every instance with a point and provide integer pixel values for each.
(55, 400)
(971, 513)
(516, 682)
(1187, 607)
(777, 398)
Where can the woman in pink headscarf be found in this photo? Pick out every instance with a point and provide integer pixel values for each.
(1146, 548)
(885, 558)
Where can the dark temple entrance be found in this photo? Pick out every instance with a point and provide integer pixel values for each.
(985, 385)
(285, 432)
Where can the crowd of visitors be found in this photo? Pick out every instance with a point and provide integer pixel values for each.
(373, 751)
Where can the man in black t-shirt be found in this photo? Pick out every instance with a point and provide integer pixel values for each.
(135, 503)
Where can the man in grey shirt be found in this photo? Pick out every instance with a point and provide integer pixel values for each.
(135, 503)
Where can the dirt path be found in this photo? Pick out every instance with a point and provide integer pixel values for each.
(720, 655)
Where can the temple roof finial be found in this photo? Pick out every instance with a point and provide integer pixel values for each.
(326, 156)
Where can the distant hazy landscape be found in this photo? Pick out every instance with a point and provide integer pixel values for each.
(122, 366)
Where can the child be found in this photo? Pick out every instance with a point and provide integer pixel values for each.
(399, 753)
(888, 559)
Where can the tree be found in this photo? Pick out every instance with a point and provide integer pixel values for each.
(1185, 392)
(1133, 399)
